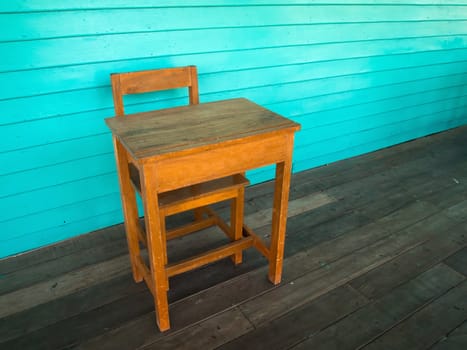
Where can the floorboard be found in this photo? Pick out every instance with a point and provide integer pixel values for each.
(409, 264)
(307, 320)
(458, 261)
(425, 327)
(375, 258)
(355, 330)
(454, 340)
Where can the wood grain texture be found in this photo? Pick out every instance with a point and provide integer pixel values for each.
(450, 308)
(307, 320)
(371, 214)
(454, 340)
(357, 60)
(458, 261)
(378, 281)
(155, 133)
(25, 7)
(176, 161)
(403, 300)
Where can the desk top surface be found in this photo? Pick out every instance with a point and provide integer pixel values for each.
(177, 129)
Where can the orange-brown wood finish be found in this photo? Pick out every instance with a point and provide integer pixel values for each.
(186, 146)
(197, 196)
(153, 80)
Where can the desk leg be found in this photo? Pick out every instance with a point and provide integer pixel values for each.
(279, 216)
(156, 246)
(130, 208)
(236, 222)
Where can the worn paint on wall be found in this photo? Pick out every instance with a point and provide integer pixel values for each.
(358, 76)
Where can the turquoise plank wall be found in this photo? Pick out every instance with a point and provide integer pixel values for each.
(357, 75)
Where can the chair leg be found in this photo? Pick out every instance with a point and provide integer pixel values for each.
(236, 222)
(160, 279)
(199, 212)
(130, 209)
(164, 239)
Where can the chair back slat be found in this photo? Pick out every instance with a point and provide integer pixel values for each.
(154, 80)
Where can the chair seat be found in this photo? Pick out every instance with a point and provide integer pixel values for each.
(199, 191)
(190, 197)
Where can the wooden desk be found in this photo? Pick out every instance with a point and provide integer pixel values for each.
(181, 146)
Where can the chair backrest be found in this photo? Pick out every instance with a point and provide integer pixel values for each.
(153, 80)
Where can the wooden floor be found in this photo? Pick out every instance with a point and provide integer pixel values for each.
(376, 258)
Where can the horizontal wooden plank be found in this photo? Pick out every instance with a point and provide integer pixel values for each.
(57, 152)
(295, 84)
(319, 339)
(38, 257)
(371, 140)
(313, 88)
(58, 233)
(325, 79)
(382, 279)
(406, 152)
(329, 103)
(208, 334)
(57, 128)
(61, 265)
(57, 196)
(377, 104)
(99, 48)
(109, 21)
(376, 145)
(54, 105)
(369, 57)
(64, 285)
(456, 339)
(418, 291)
(29, 321)
(61, 217)
(458, 261)
(27, 6)
(337, 219)
(355, 330)
(20, 182)
(310, 318)
(306, 142)
(450, 308)
(319, 103)
(319, 282)
(97, 317)
(378, 114)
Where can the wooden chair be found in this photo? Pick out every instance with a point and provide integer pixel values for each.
(199, 196)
